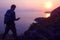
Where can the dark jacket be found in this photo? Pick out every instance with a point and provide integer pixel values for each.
(9, 17)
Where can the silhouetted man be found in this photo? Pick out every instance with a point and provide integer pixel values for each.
(9, 21)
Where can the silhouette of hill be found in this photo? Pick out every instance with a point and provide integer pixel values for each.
(44, 28)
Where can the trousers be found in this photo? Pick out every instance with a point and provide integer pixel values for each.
(10, 26)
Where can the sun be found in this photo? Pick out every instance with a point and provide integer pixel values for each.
(48, 5)
(47, 15)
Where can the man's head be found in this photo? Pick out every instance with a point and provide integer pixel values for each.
(13, 7)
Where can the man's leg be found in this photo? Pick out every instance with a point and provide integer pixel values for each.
(6, 30)
(14, 31)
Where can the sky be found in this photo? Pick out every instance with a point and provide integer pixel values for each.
(30, 4)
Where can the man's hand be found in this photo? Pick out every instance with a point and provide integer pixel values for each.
(17, 18)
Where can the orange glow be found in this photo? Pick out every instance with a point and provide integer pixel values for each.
(48, 5)
(47, 15)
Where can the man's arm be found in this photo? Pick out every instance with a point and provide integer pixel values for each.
(16, 19)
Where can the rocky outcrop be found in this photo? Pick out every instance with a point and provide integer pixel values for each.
(44, 28)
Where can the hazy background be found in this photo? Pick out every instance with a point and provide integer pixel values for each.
(28, 10)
